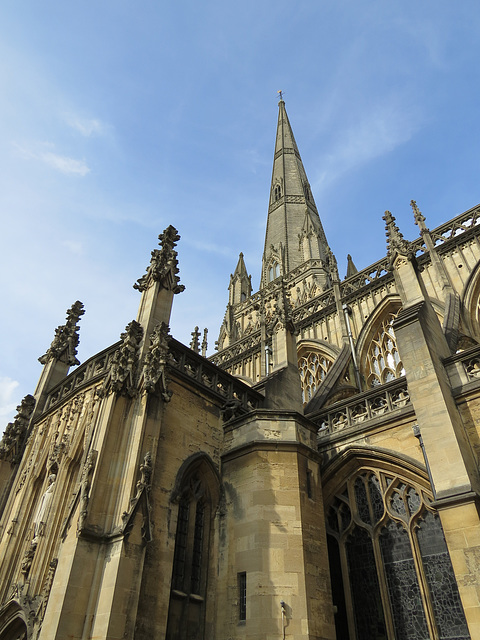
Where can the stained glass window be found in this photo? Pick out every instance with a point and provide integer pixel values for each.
(390, 549)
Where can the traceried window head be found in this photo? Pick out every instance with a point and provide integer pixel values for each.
(277, 192)
(383, 359)
(313, 367)
(390, 556)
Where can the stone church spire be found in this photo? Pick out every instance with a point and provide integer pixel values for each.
(294, 231)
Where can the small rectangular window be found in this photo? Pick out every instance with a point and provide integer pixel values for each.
(242, 596)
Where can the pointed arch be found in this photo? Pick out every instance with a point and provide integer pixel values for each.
(13, 622)
(197, 494)
(315, 358)
(378, 354)
(391, 570)
(471, 303)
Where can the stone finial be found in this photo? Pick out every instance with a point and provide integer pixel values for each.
(351, 268)
(204, 343)
(154, 376)
(123, 368)
(195, 342)
(418, 217)
(332, 266)
(163, 265)
(396, 243)
(65, 342)
(12, 443)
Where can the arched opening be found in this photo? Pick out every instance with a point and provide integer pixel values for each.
(197, 495)
(12, 623)
(390, 568)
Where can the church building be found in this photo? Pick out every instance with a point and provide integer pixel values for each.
(317, 478)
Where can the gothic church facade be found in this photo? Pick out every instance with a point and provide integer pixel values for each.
(317, 478)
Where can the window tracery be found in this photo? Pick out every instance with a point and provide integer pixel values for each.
(274, 271)
(313, 367)
(383, 360)
(394, 560)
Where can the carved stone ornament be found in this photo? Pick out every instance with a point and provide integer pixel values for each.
(28, 559)
(195, 341)
(154, 375)
(141, 500)
(123, 369)
(332, 266)
(418, 217)
(13, 442)
(163, 266)
(396, 243)
(84, 490)
(65, 342)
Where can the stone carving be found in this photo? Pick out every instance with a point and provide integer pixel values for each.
(13, 441)
(47, 587)
(142, 489)
(204, 343)
(418, 217)
(28, 559)
(85, 483)
(154, 376)
(195, 341)
(41, 515)
(163, 266)
(65, 342)
(396, 243)
(123, 369)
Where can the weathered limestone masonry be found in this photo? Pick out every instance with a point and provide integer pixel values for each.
(316, 478)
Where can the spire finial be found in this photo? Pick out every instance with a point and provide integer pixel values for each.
(280, 93)
(396, 243)
(418, 216)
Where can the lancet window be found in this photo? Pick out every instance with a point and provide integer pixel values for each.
(273, 271)
(277, 192)
(313, 367)
(190, 564)
(383, 359)
(392, 576)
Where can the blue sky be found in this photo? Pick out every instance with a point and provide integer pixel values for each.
(120, 118)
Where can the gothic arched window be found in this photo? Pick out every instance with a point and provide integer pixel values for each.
(390, 562)
(313, 367)
(383, 359)
(274, 271)
(277, 192)
(186, 612)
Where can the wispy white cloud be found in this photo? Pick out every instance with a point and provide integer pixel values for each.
(67, 165)
(86, 126)
(64, 164)
(376, 133)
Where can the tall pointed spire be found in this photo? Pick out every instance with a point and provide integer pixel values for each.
(294, 231)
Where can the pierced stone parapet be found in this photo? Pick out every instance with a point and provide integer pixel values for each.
(358, 410)
(221, 384)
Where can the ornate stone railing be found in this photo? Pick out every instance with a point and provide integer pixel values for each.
(463, 368)
(357, 411)
(93, 369)
(226, 387)
(454, 228)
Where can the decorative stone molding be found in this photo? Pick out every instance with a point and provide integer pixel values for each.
(154, 375)
(84, 490)
(141, 497)
(65, 342)
(123, 368)
(13, 442)
(163, 266)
